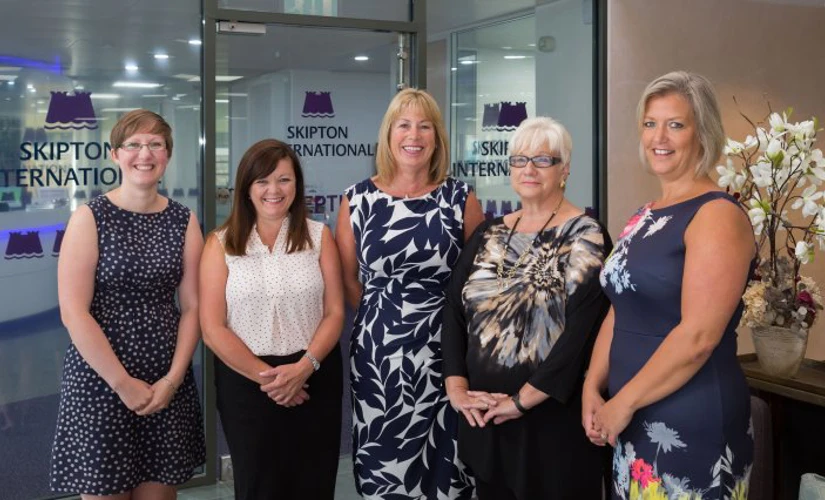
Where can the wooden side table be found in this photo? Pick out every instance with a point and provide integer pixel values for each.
(798, 414)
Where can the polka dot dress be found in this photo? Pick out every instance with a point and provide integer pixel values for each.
(100, 446)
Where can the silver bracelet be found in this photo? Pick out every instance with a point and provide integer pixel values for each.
(312, 359)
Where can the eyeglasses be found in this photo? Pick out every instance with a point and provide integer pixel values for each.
(543, 161)
(134, 147)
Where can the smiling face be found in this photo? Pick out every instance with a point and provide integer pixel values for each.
(538, 184)
(272, 196)
(412, 139)
(669, 138)
(142, 168)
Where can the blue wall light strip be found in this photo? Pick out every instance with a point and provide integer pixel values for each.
(42, 229)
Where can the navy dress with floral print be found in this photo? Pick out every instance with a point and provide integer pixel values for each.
(696, 443)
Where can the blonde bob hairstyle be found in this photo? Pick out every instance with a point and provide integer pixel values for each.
(698, 92)
(385, 163)
(536, 134)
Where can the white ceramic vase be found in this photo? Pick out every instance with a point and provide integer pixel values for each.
(780, 350)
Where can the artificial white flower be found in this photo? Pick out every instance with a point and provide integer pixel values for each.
(778, 123)
(758, 214)
(761, 173)
(808, 201)
(774, 151)
(730, 177)
(804, 252)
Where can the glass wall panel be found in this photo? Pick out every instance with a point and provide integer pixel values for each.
(68, 71)
(538, 65)
(385, 10)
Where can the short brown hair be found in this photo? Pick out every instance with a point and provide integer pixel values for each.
(417, 99)
(140, 121)
(698, 92)
(259, 161)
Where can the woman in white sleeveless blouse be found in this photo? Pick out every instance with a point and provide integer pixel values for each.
(272, 314)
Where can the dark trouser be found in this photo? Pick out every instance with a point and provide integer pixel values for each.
(279, 452)
(490, 491)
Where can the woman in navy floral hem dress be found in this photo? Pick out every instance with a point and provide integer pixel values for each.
(678, 407)
(400, 235)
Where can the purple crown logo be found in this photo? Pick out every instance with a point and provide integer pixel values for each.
(317, 105)
(58, 241)
(71, 111)
(24, 246)
(503, 116)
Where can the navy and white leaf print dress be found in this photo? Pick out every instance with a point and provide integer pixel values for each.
(404, 431)
(696, 443)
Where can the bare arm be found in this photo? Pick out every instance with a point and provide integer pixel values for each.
(76, 270)
(188, 328)
(473, 216)
(719, 248)
(596, 381)
(345, 239)
(216, 335)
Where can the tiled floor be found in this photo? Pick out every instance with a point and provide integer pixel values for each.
(344, 487)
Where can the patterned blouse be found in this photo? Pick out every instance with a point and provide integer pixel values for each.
(507, 324)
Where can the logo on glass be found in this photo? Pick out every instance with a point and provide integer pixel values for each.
(71, 112)
(503, 116)
(318, 105)
(24, 245)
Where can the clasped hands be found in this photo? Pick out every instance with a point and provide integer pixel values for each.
(602, 420)
(286, 384)
(144, 398)
(480, 407)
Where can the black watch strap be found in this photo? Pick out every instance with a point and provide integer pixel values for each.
(520, 407)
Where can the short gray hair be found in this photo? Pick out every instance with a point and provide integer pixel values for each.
(698, 92)
(541, 132)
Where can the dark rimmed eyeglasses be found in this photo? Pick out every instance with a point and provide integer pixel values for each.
(136, 146)
(542, 161)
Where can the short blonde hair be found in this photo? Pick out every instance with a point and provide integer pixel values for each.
(698, 92)
(541, 132)
(417, 99)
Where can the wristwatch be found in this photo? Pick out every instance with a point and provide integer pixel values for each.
(312, 359)
(520, 407)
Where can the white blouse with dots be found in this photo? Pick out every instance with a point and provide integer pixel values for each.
(275, 300)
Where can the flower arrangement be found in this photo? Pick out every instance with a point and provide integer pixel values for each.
(779, 180)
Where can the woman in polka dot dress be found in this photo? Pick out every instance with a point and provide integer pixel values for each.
(129, 423)
(272, 311)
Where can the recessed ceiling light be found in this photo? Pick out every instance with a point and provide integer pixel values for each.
(467, 62)
(361, 58)
(79, 87)
(222, 101)
(195, 41)
(161, 56)
(515, 57)
(531, 44)
(104, 96)
(453, 69)
(131, 67)
(153, 95)
(507, 48)
(136, 85)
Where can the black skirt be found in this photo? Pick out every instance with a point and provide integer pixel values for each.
(280, 452)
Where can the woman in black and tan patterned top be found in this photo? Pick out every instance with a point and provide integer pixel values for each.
(523, 308)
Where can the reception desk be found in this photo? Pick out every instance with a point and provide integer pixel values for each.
(798, 419)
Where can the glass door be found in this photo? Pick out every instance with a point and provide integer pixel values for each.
(323, 91)
(320, 84)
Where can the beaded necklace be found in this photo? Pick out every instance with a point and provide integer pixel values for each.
(504, 278)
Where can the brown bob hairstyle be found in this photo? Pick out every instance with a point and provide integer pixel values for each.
(140, 121)
(259, 161)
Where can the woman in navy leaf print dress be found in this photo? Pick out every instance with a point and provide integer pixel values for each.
(399, 239)
(129, 422)
(678, 412)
